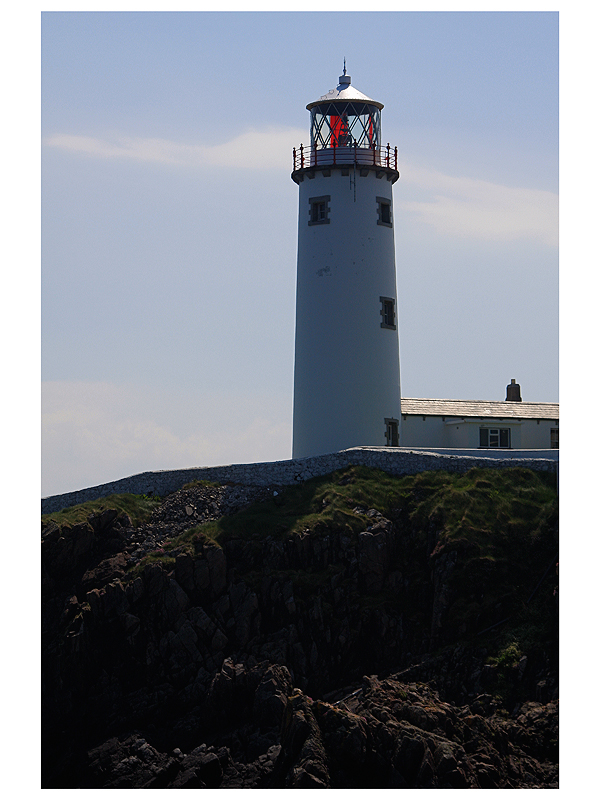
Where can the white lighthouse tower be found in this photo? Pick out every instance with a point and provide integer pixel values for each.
(347, 366)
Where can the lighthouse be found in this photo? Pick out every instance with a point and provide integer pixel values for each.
(347, 366)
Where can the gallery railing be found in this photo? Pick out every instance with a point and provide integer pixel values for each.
(305, 157)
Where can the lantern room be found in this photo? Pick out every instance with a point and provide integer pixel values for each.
(345, 128)
(345, 117)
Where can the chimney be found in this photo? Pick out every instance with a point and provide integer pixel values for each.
(513, 392)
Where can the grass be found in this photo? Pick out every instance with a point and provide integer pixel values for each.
(508, 656)
(495, 515)
(318, 506)
(499, 527)
(504, 502)
(137, 507)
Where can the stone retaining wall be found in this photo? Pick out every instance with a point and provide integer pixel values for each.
(395, 460)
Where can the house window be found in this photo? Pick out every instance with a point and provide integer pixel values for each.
(391, 432)
(319, 210)
(494, 437)
(384, 212)
(388, 313)
(554, 438)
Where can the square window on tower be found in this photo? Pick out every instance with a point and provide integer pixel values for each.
(384, 212)
(319, 210)
(388, 313)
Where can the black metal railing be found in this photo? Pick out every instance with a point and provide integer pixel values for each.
(305, 157)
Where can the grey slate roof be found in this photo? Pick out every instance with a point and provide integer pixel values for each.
(479, 408)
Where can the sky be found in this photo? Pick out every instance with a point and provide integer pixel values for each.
(169, 220)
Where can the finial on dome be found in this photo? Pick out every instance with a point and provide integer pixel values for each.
(345, 79)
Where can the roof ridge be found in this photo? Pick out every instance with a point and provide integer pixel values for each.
(452, 400)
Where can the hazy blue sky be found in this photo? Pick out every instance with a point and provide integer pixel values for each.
(169, 220)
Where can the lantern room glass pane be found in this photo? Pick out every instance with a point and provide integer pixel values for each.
(344, 125)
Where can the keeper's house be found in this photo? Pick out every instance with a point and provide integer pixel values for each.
(480, 424)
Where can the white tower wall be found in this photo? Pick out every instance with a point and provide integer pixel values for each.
(347, 367)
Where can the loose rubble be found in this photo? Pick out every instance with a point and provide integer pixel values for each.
(189, 507)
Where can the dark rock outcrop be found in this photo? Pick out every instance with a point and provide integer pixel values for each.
(199, 670)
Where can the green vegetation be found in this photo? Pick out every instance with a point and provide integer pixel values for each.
(497, 507)
(187, 542)
(137, 507)
(478, 506)
(486, 509)
(489, 535)
(508, 656)
(319, 506)
(504, 527)
(502, 524)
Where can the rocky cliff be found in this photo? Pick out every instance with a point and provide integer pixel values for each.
(360, 630)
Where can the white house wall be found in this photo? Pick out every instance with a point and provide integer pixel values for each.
(433, 431)
(426, 432)
(536, 433)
